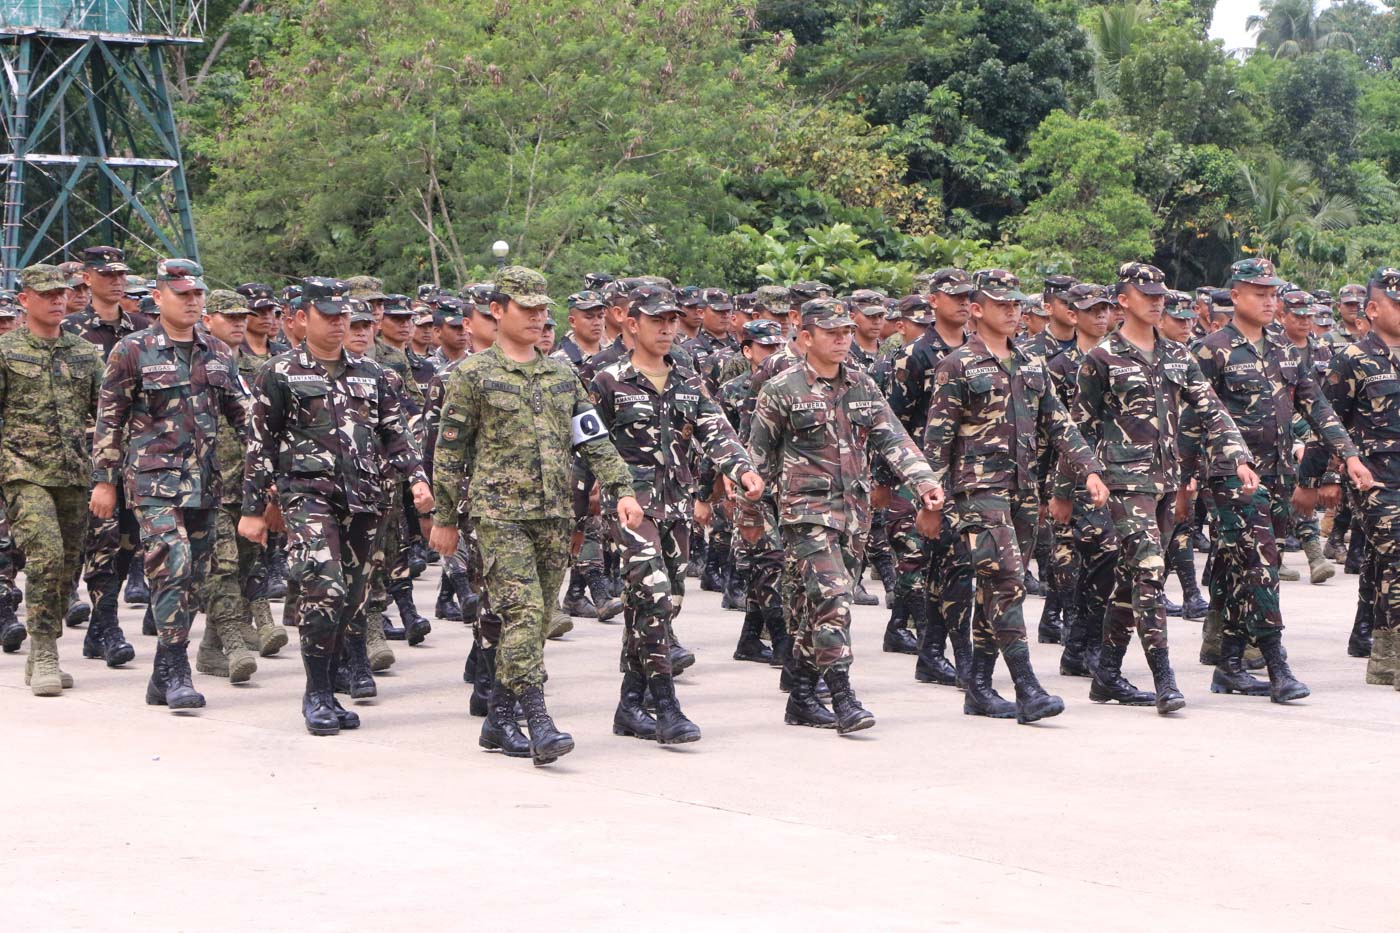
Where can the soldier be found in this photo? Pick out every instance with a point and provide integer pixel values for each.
(1354, 323)
(546, 342)
(586, 310)
(867, 309)
(323, 425)
(509, 420)
(450, 331)
(49, 382)
(9, 313)
(79, 294)
(1313, 357)
(163, 394)
(1130, 393)
(811, 427)
(653, 411)
(1034, 320)
(714, 337)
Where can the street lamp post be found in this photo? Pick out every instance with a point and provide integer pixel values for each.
(500, 249)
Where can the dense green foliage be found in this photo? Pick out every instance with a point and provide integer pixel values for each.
(858, 141)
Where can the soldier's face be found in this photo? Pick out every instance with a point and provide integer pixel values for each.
(716, 322)
(397, 327)
(826, 346)
(45, 308)
(1093, 321)
(1297, 326)
(756, 353)
(452, 337)
(546, 342)
(107, 287)
(1140, 307)
(294, 326)
(587, 325)
(79, 297)
(521, 326)
(997, 317)
(1034, 323)
(1175, 328)
(179, 310)
(952, 310)
(1348, 311)
(484, 329)
(1060, 312)
(325, 333)
(263, 322)
(8, 324)
(1255, 305)
(654, 333)
(359, 338)
(870, 325)
(1384, 315)
(230, 328)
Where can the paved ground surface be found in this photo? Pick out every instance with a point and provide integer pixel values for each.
(1234, 813)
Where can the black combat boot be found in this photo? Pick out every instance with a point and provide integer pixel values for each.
(712, 576)
(481, 673)
(898, 639)
(736, 588)
(884, 567)
(607, 603)
(1033, 585)
(672, 728)
(1283, 686)
(1199, 542)
(547, 744)
(1359, 644)
(137, 593)
(1109, 684)
(1336, 549)
(631, 717)
(1169, 698)
(317, 706)
(1193, 606)
(416, 628)
(751, 646)
(576, 602)
(353, 676)
(681, 656)
(277, 568)
(106, 640)
(699, 551)
(1073, 660)
(500, 732)
(148, 622)
(803, 707)
(1051, 630)
(446, 608)
(862, 597)
(1356, 548)
(980, 699)
(778, 635)
(392, 632)
(1230, 675)
(932, 667)
(960, 641)
(1032, 702)
(170, 683)
(850, 715)
(79, 611)
(12, 631)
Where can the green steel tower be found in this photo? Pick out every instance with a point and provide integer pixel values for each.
(92, 150)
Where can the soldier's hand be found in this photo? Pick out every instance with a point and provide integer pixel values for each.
(1329, 496)
(1249, 480)
(751, 533)
(1098, 492)
(443, 539)
(753, 485)
(933, 499)
(880, 497)
(1181, 508)
(422, 497)
(253, 528)
(702, 514)
(273, 517)
(103, 502)
(1360, 477)
(1304, 502)
(929, 522)
(629, 512)
(1061, 510)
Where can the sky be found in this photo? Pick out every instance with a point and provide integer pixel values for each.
(1228, 23)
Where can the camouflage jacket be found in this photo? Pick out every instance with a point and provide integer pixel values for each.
(94, 330)
(1063, 369)
(422, 370)
(326, 437)
(1044, 344)
(1339, 338)
(987, 417)
(809, 443)
(511, 427)
(1262, 393)
(232, 449)
(1363, 386)
(570, 352)
(48, 399)
(158, 418)
(654, 431)
(1128, 408)
(704, 348)
(738, 399)
(911, 380)
(395, 359)
(441, 362)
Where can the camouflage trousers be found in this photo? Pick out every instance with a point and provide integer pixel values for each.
(763, 561)
(997, 528)
(11, 557)
(389, 571)
(654, 555)
(590, 552)
(950, 577)
(49, 524)
(486, 625)
(912, 552)
(1376, 513)
(821, 565)
(112, 545)
(1244, 580)
(1136, 602)
(524, 563)
(329, 554)
(1303, 527)
(235, 558)
(1082, 560)
(879, 544)
(178, 544)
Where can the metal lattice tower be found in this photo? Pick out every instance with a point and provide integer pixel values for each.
(92, 150)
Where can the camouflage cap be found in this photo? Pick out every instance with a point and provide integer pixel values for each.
(227, 302)
(593, 281)
(923, 283)
(951, 281)
(767, 333)
(1387, 280)
(1145, 277)
(770, 297)
(259, 295)
(690, 296)
(550, 323)
(425, 317)
(451, 311)
(482, 293)
(586, 301)
(802, 292)
(326, 295)
(826, 313)
(42, 277)
(8, 308)
(651, 300)
(717, 299)
(149, 307)
(998, 284)
(365, 288)
(525, 287)
(1323, 318)
(396, 306)
(1179, 306)
(1220, 298)
(867, 301)
(429, 292)
(1298, 302)
(1352, 294)
(360, 312)
(1203, 292)
(290, 294)
(1324, 296)
(744, 302)
(181, 275)
(1036, 306)
(1057, 285)
(637, 281)
(136, 287)
(1254, 271)
(892, 309)
(73, 272)
(1085, 295)
(105, 259)
(916, 308)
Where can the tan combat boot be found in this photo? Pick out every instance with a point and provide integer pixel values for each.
(271, 636)
(41, 671)
(1320, 569)
(559, 625)
(1380, 669)
(381, 656)
(209, 659)
(240, 664)
(1287, 574)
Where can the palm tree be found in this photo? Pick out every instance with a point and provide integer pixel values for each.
(1293, 28)
(1111, 31)
(1288, 202)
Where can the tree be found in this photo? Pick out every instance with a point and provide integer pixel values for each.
(1288, 202)
(1313, 113)
(1293, 28)
(1112, 31)
(1173, 80)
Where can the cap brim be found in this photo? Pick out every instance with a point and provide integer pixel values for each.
(1149, 288)
(965, 288)
(331, 306)
(1260, 280)
(233, 312)
(181, 286)
(657, 312)
(1092, 304)
(369, 296)
(108, 267)
(1004, 294)
(721, 306)
(532, 301)
(832, 323)
(589, 306)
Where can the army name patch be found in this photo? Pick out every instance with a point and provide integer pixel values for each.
(361, 380)
(631, 399)
(809, 406)
(868, 403)
(687, 397)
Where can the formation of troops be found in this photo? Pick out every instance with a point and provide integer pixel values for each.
(322, 444)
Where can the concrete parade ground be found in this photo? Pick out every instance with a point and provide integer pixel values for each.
(1235, 813)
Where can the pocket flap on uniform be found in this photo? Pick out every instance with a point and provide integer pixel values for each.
(1127, 453)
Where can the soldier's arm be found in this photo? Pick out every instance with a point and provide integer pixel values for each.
(1340, 390)
(1091, 382)
(765, 437)
(720, 443)
(1309, 402)
(265, 427)
(399, 446)
(232, 401)
(591, 441)
(114, 405)
(1073, 450)
(906, 385)
(945, 413)
(456, 445)
(1192, 435)
(899, 451)
(1227, 445)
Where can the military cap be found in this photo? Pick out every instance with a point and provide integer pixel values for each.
(73, 272)
(1352, 294)
(1178, 305)
(1035, 306)
(651, 300)
(770, 297)
(923, 283)
(637, 281)
(768, 333)
(181, 275)
(451, 310)
(482, 293)
(803, 292)
(8, 308)
(593, 281)
(525, 287)
(1298, 302)
(259, 295)
(225, 301)
(365, 288)
(326, 295)
(426, 317)
(290, 294)
(717, 299)
(892, 309)
(1323, 296)
(1221, 301)
(1085, 295)
(550, 323)
(826, 313)
(1323, 318)
(690, 296)
(998, 284)
(1254, 271)
(1057, 285)
(1204, 291)
(105, 259)
(744, 302)
(867, 301)
(586, 301)
(1387, 280)
(42, 277)
(1145, 277)
(396, 306)
(951, 281)
(360, 312)
(136, 287)
(916, 308)
(428, 292)
(149, 307)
